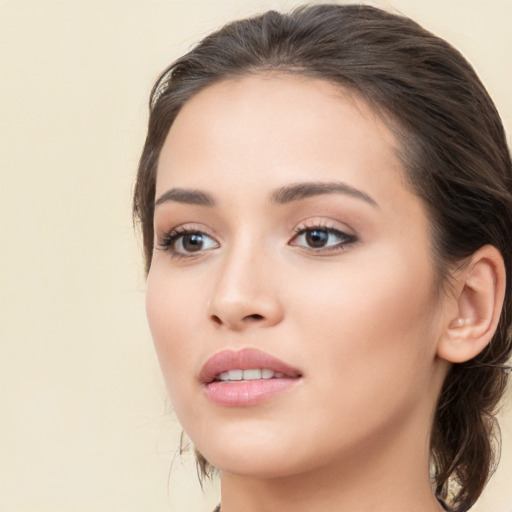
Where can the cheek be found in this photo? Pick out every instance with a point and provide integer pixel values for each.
(172, 316)
(372, 325)
(370, 347)
(172, 311)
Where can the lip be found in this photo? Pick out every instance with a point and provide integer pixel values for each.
(245, 393)
(244, 359)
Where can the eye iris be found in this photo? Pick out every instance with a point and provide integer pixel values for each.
(193, 242)
(316, 238)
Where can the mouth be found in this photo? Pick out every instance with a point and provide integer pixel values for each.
(246, 377)
(249, 374)
(247, 364)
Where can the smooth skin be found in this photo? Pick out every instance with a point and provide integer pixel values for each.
(338, 282)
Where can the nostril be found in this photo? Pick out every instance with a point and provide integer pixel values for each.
(255, 316)
(216, 319)
(248, 318)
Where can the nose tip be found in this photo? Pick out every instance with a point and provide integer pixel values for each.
(240, 305)
(235, 316)
(244, 295)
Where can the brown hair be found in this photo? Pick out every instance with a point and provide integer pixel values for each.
(453, 148)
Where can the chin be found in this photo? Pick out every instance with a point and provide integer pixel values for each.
(250, 456)
(266, 467)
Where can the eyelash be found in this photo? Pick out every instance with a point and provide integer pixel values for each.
(168, 241)
(347, 239)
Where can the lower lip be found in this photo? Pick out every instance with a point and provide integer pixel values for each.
(245, 393)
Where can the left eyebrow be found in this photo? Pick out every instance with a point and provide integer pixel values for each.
(187, 196)
(298, 191)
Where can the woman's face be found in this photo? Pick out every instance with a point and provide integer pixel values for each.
(287, 241)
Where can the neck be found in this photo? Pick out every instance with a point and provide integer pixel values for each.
(390, 475)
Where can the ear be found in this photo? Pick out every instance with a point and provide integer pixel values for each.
(478, 301)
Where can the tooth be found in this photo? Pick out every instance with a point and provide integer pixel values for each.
(278, 375)
(235, 374)
(224, 376)
(267, 374)
(252, 374)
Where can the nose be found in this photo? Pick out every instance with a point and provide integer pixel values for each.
(245, 295)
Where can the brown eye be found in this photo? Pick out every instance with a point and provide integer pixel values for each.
(192, 242)
(317, 238)
(187, 243)
(322, 238)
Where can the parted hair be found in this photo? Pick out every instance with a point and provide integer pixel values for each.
(456, 159)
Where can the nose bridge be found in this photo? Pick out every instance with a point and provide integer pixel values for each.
(243, 293)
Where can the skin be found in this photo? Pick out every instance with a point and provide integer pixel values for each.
(362, 320)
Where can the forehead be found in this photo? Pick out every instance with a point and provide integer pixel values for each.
(275, 126)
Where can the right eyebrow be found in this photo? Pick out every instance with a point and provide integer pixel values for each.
(187, 196)
(299, 191)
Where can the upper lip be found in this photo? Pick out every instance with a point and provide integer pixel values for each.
(245, 359)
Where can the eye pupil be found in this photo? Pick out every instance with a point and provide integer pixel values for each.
(193, 242)
(316, 238)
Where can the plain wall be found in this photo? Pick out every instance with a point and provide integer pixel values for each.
(85, 425)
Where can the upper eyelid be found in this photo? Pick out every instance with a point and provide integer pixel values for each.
(324, 223)
(186, 227)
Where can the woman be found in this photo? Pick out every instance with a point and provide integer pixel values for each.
(326, 205)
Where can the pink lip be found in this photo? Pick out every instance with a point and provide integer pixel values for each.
(245, 393)
(243, 360)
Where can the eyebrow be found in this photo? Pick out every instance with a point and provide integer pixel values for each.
(283, 195)
(298, 191)
(187, 196)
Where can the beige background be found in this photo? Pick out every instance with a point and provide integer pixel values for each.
(84, 422)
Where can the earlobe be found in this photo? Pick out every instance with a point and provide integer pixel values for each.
(479, 300)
